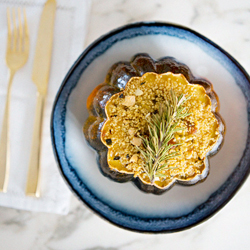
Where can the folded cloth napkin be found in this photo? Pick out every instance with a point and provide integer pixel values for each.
(69, 34)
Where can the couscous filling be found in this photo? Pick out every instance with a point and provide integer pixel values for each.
(128, 113)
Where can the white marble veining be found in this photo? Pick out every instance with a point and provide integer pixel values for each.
(227, 23)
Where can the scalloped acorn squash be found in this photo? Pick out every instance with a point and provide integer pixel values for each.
(153, 123)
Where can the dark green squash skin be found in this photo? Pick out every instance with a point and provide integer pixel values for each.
(115, 81)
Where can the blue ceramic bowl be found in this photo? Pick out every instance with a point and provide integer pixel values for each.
(122, 203)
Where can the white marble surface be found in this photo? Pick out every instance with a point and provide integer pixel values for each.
(226, 22)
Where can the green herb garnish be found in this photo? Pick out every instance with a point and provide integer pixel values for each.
(162, 128)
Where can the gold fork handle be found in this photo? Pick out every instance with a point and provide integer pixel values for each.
(32, 185)
(4, 140)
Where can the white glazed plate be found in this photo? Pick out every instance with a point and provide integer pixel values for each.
(122, 203)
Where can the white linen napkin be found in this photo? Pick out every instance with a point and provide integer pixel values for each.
(69, 34)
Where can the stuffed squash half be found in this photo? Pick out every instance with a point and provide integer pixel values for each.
(152, 122)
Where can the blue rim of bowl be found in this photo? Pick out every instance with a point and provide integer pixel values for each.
(131, 222)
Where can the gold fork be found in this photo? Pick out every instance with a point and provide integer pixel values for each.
(16, 56)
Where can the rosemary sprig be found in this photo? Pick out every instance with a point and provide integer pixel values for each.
(162, 127)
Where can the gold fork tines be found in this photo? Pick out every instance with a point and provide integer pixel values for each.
(17, 54)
